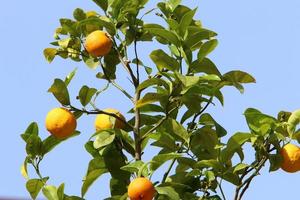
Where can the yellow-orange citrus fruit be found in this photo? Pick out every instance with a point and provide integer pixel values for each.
(104, 121)
(91, 13)
(291, 158)
(141, 189)
(61, 123)
(98, 43)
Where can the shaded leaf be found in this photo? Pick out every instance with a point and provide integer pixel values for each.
(60, 91)
(86, 94)
(32, 129)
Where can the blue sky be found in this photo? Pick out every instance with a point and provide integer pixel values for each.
(260, 37)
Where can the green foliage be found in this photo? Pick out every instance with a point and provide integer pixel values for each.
(169, 104)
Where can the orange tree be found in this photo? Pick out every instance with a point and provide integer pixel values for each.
(168, 109)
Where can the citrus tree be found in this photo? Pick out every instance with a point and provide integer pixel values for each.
(168, 109)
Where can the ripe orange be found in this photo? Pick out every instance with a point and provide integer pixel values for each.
(141, 189)
(61, 123)
(291, 158)
(104, 121)
(98, 43)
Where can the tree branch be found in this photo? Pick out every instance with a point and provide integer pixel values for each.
(125, 64)
(136, 130)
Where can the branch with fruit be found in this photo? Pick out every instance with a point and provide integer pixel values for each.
(168, 110)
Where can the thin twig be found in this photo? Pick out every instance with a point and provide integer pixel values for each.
(221, 189)
(203, 109)
(97, 111)
(248, 181)
(115, 84)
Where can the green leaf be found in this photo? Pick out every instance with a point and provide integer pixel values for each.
(102, 4)
(275, 162)
(204, 66)
(187, 81)
(79, 14)
(174, 128)
(34, 186)
(164, 140)
(160, 159)
(153, 81)
(235, 78)
(91, 62)
(96, 168)
(32, 129)
(215, 197)
(196, 36)
(258, 122)
(185, 21)
(135, 167)
(210, 176)
(165, 34)
(99, 21)
(234, 145)
(60, 91)
(204, 142)
(149, 108)
(240, 167)
(214, 164)
(207, 48)
(50, 192)
(173, 4)
(103, 138)
(24, 171)
(163, 60)
(239, 77)
(86, 94)
(168, 191)
(60, 191)
(34, 146)
(207, 119)
(293, 121)
(149, 98)
(50, 54)
(69, 26)
(70, 76)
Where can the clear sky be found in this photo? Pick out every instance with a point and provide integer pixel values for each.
(260, 37)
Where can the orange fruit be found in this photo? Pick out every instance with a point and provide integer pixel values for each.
(291, 158)
(141, 189)
(61, 123)
(98, 43)
(104, 121)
